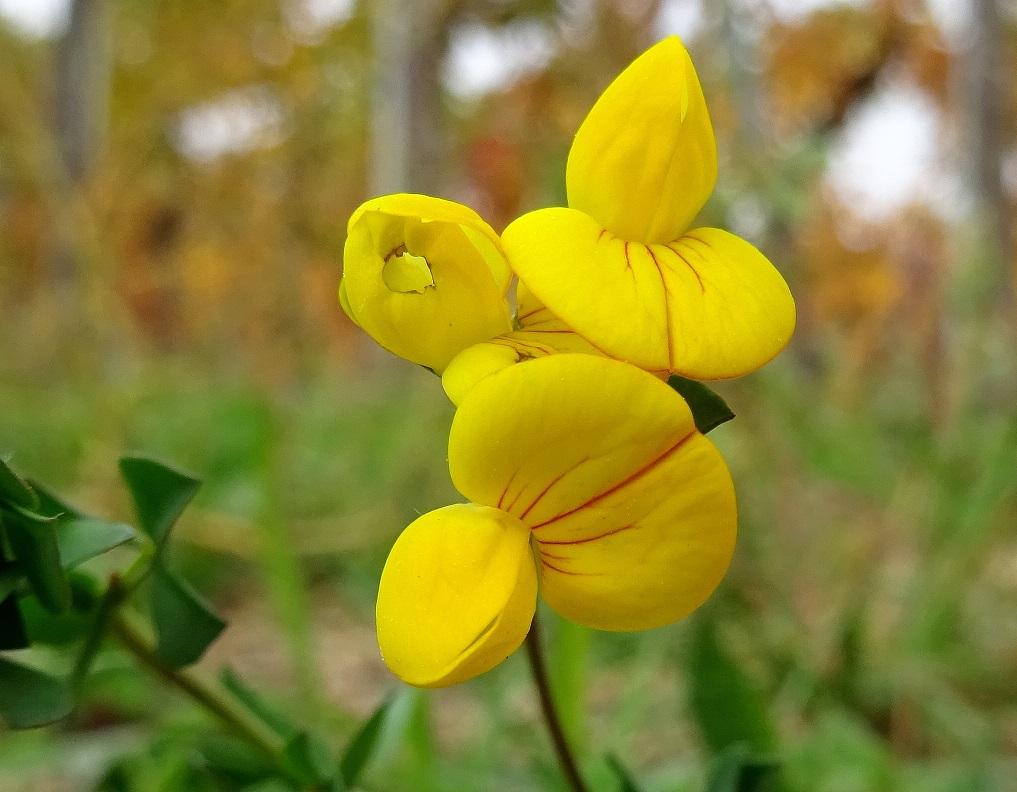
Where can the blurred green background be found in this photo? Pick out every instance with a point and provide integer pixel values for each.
(175, 179)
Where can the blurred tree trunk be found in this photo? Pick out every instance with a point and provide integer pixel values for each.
(987, 84)
(391, 96)
(81, 98)
(429, 161)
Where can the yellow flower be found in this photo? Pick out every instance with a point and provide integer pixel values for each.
(426, 278)
(585, 475)
(619, 267)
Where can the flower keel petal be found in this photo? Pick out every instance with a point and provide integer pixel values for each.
(457, 595)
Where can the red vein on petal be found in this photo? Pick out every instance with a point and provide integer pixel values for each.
(567, 571)
(508, 484)
(628, 261)
(544, 554)
(546, 489)
(528, 314)
(604, 535)
(515, 500)
(621, 485)
(667, 310)
(688, 264)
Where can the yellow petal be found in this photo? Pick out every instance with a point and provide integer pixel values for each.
(457, 595)
(707, 306)
(632, 508)
(538, 325)
(541, 333)
(426, 278)
(648, 551)
(481, 360)
(645, 159)
(730, 310)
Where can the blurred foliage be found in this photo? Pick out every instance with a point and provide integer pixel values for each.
(866, 635)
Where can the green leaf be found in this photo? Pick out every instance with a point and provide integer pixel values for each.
(306, 759)
(569, 668)
(34, 542)
(626, 781)
(51, 504)
(737, 770)
(257, 705)
(81, 538)
(234, 758)
(708, 409)
(15, 490)
(269, 785)
(10, 578)
(185, 624)
(361, 748)
(46, 627)
(30, 698)
(728, 706)
(13, 634)
(160, 494)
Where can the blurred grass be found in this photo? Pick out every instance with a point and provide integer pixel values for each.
(871, 601)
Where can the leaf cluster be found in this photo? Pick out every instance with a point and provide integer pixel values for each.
(50, 593)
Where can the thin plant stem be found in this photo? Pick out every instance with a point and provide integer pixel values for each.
(135, 634)
(566, 758)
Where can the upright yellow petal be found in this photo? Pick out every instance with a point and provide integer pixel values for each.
(644, 161)
(707, 305)
(457, 595)
(632, 509)
(426, 278)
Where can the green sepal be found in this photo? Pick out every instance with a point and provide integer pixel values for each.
(15, 490)
(160, 494)
(29, 697)
(709, 410)
(737, 769)
(361, 748)
(33, 540)
(185, 624)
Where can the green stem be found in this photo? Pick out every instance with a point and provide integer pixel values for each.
(135, 635)
(566, 758)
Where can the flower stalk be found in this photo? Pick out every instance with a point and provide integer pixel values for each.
(567, 760)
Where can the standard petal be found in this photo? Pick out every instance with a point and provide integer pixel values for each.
(426, 278)
(633, 510)
(644, 161)
(457, 595)
(706, 306)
